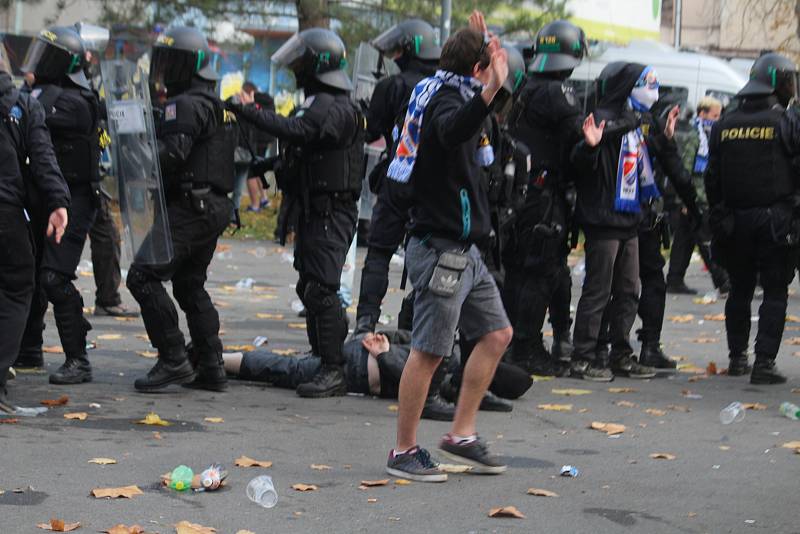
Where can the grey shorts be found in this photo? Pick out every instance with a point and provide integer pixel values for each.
(475, 310)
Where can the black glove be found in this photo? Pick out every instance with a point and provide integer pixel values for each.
(233, 104)
(261, 165)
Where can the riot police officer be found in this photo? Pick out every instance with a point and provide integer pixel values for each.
(196, 140)
(548, 122)
(29, 178)
(55, 58)
(751, 184)
(321, 169)
(412, 46)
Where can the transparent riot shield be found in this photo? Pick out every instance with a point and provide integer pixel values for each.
(134, 163)
(368, 69)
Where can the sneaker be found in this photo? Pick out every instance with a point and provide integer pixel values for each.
(114, 311)
(628, 366)
(586, 371)
(415, 464)
(438, 409)
(328, 382)
(264, 204)
(474, 454)
(680, 288)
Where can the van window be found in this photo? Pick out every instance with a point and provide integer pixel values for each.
(675, 93)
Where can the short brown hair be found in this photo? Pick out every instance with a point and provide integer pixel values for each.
(462, 51)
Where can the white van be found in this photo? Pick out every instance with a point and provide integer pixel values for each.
(690, 74)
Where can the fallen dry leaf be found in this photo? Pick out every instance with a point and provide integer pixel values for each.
(8, 420)
(506, 511)
(393, 407)
(724, 448)
(662, 456)
(688, 318)
(542, 492)
(454, 468)
(285, 352)
(53, 349)
(690, 368)
(184, 527)
(297, 326)
(625, 404)
(717, 317)
(110, 337)
(705, 340)
(792, 319)
(622, 390)
(214, 420)
(791, 445)
(571, 392)
(711, 368)
(245, 532)
(58, 525)
(80, 416)
(61, 401)
(679, 408)
(320, 467)
(372, 500)
(697, 378)
(756, 406)
(102, 461)
(655, 412)
(304, 487)
(556, 407)
(275, 316)
(124, 529)
(147, 354)
(157, 435)
(402, 482)
(373, 483)
(609, 428)
(245, 461)
(793, 341)
(114, 493)
(153, 419)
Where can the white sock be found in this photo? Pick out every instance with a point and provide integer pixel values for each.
(463, 440)
(396, 453)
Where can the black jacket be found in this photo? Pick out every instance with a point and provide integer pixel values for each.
(448, 186)
(596, 167)
(24, 126)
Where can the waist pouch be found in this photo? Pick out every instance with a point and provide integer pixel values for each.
(447, 276)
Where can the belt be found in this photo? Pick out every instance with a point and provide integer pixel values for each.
(443, 244)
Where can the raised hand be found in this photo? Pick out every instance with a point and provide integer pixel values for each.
(478, 23)
(246, 98)
(592, 133)
(57, 223)
(672, 119)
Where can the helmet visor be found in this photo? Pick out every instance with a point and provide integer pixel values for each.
(291, 52)
(170, 66)
(94, 37)
(389, 41)
(47, 61)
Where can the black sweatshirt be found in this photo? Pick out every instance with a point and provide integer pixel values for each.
(449, 197)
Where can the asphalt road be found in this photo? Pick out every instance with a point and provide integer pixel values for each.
(734, 478)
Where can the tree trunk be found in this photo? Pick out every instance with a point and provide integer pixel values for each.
(312, 14)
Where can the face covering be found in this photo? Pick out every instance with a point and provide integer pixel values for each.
(645, 92)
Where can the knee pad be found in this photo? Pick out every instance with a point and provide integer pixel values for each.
(191, 295)
(318, 297)
(58, 288)
(139, 284)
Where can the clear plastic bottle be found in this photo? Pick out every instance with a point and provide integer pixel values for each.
(261, 491)
(792, 411)
(732, 413)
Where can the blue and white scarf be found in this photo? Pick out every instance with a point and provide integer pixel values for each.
(406, 154)
(703, 126)
(635, 179)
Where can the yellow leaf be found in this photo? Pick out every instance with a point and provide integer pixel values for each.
(688, 318)
(102, 461)
(110, 337)
(53, 349)
(393, 407)
(240, 348)
(402, 482)
(297, 326)
(153, 419)
(245, 461)
(717, 317)
(184, 527)
(285, 352)
(792, 319)
(114, 493)
(609, 428)
(304, 487)
(570, 392)
(622, 390)
(274, 316)
(542, 492)
(538, 378)
(690, 368)
(58, 525)
(655, 412)
(245, 532)
(724, 448)
(373, 483)
(625, 404)
(320, 467)
(80, 416)
(556, 407)
(124, 529)
(705, 340)
(662, 456)
(679, 408)
(791, 445)
(756, 406)
(214, 420)
(372, 500)
(506, 511)
(147, 354)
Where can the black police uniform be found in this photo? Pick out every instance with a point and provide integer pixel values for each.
(196, 143)
(38, 183)
(72, 117)
(321, 169)
(751, 183)
(390, 212)
(549, 123)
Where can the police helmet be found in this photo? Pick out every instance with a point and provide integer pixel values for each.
(315, 53)
(57, 52)
(95, 38)
(559, 46)
(768, 73)
(514, 81)
(178, 55)
(413, 38)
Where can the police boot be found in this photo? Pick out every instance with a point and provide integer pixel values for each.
(436, 408)
(30, 358)
(652, 356)
(543, 364)
(76, 370)
(172, 367)
(209, 370)
(493, 403)
(738, 365)
(765, 372)
(562, 348)
(364, 325)
(328, 382)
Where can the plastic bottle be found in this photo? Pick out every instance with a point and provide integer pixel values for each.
(792, 411)
(245, 283)
(261, 491)
(211, 478)
(732, 413)
(181, 478)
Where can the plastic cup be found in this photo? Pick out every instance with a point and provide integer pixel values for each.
(732, 413)
(261, 491)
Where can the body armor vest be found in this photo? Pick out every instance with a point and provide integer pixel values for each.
(211, 160)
